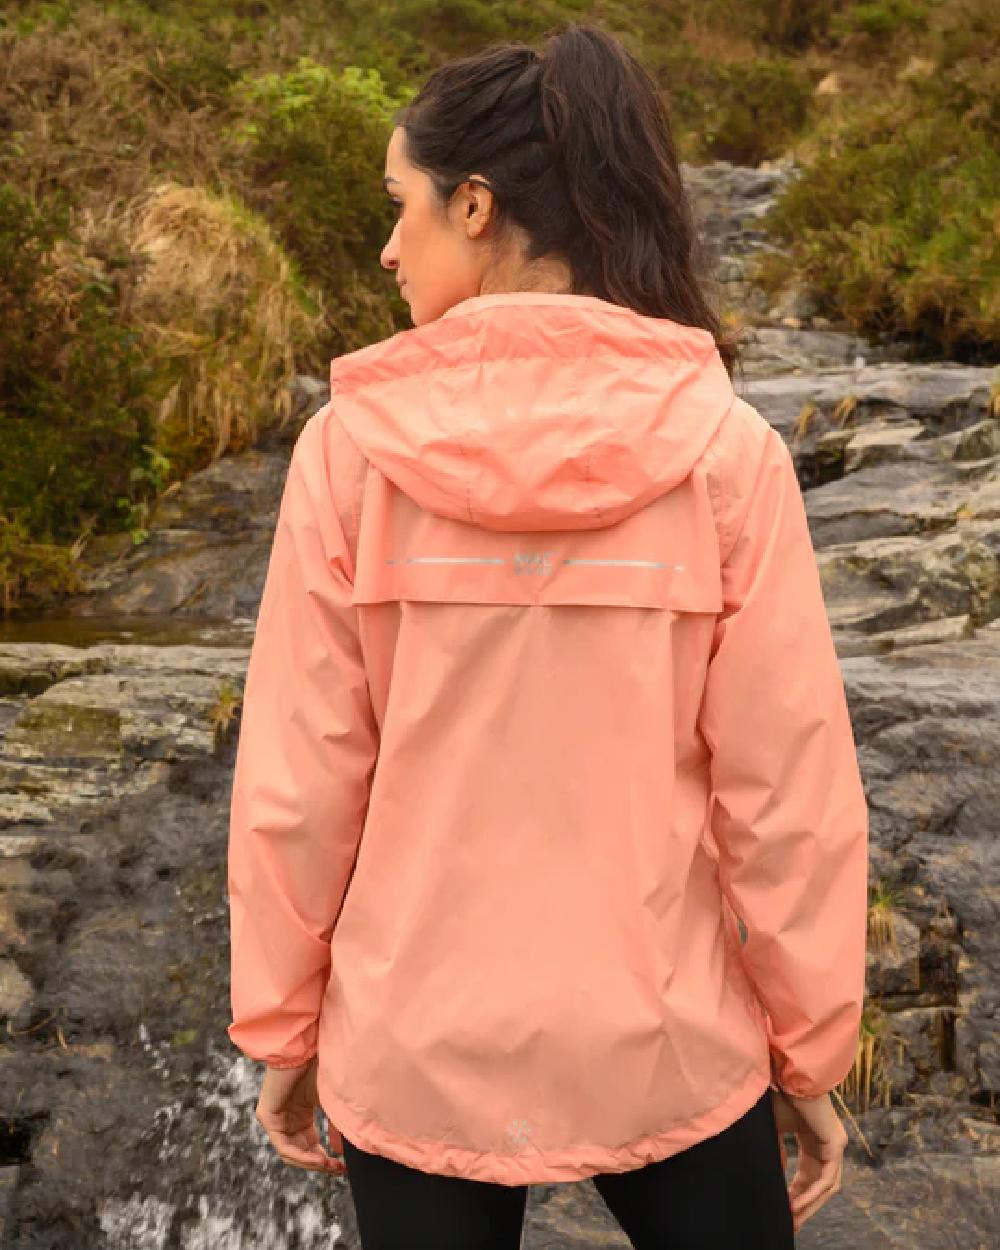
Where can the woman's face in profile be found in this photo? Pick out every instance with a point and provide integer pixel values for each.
(433, 252)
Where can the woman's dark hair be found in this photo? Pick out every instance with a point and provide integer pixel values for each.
(576, 143)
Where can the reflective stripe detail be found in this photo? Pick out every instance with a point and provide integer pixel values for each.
(530, 557)
(651, 564)
(449, 560)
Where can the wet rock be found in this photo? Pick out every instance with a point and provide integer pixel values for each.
(945, 397)
(942, 629)
(15, 991)
(769, 351)
(894, 968)
(890, 499)
(883, 584)
(210, 537)
(796, 302)
(925, 1035)
(934, 1201)
(927, 725)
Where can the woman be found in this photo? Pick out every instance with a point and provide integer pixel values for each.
(548, 847)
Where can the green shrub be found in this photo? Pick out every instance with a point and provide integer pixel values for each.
(796, 23)
(894, 225)
(32, 573)
(71, 378)
(745, 111)
(789, 24)
(881, 19)
(25, 16)
(314, 142)
(965, 49)
(194, 72)
(406, 39)
(27, 236)
(70, 420)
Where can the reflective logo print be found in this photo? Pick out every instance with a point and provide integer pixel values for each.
(518, 1132)
(532, 562)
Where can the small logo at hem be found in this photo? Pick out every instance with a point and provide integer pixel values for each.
(518, 1132)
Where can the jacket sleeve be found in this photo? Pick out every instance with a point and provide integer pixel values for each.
(789, 814)
(307, 745)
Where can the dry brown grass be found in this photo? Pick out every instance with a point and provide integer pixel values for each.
(807, 415)
(868, 1080)
(90, 115)
(219, 297)
(882, 912)
(711, 42)
(93, 113)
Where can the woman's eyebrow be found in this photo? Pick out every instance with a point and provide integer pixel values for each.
(387, 179)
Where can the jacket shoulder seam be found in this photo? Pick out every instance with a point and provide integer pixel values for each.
(734, 452)
(719, 489)
(352, 475)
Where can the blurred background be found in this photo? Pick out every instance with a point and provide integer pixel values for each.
(191, 209)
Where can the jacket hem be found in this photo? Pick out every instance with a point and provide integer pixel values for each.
(534, 1166)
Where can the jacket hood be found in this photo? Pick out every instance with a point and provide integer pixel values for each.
(532, 410)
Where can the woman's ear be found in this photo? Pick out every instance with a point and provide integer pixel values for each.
(479, 206)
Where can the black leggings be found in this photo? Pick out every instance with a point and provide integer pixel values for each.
(727, 1192)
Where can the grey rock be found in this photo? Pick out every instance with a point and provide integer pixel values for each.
(15, 991)
(895, 967)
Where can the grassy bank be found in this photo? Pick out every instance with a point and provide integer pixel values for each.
(191, 210)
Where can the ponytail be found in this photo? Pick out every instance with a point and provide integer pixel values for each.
(577, 145)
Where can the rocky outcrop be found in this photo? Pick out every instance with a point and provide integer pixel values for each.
(130, 1118)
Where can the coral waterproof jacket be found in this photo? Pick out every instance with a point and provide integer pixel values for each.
(547, 828)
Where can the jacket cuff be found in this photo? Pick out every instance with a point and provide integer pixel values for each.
(281, 1062)
(799, 1092)
(797, 1087)
(294, 1052)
